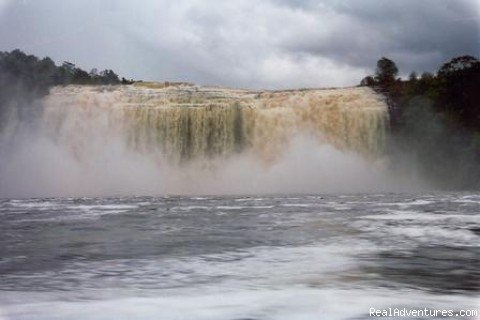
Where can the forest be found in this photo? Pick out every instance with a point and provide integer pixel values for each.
(435, 119)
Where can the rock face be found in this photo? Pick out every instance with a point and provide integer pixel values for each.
(185, 121)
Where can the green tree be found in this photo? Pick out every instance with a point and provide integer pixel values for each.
(457, 65)
(413, 76)
(81, 77)
(459, 93)
(386, 71)
(64, 74)
(368, 81)
(109, 77)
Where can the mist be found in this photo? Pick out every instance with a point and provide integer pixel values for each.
(36, 164)
(134, 140)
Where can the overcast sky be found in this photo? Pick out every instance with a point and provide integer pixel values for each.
(244, 43)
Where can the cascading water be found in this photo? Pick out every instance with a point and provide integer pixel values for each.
(185, 122)
(153, 139)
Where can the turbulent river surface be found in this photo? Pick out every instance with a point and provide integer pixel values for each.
(238, 257)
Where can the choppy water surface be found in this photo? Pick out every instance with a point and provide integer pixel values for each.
(232, 258)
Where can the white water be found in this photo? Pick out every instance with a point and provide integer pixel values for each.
(231, 258)
(192, 140)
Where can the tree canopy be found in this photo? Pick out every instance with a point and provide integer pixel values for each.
(436, 117)
(386, 71)
(16, 66)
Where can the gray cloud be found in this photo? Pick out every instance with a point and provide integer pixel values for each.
(418, 34)
(244, 43)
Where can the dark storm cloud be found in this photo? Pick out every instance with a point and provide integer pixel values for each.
(275, 44)
(420, 35)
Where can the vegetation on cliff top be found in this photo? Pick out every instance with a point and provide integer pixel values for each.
(435, 119)
(23, 78)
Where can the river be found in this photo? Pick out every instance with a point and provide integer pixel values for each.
(238, 257)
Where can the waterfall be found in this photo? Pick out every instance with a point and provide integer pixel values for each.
(150, 139)
(184, 122)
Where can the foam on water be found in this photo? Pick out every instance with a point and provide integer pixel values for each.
(295, 303)
(332, 257)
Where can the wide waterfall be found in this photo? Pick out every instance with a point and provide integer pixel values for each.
(185, 122)
(157, 138)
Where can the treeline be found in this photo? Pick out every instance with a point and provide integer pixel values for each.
(38, 73)
(435, 119)
(23, 78)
